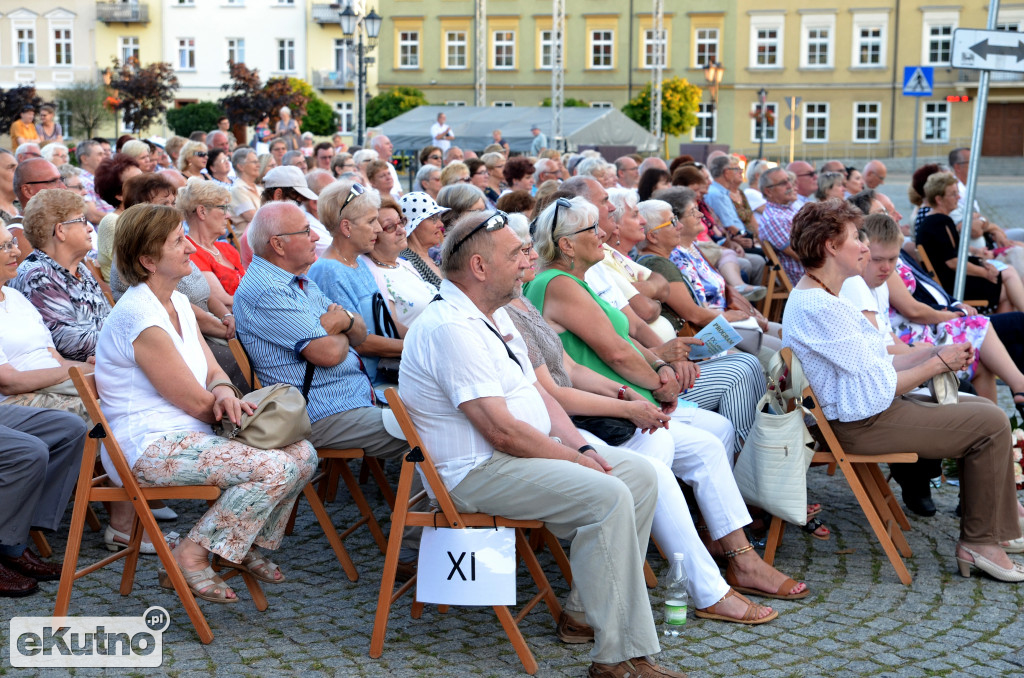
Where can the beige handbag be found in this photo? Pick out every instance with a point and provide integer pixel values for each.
(944, 388)
(279, 419)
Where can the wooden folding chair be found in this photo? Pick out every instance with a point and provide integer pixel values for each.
(776, 281)
(90, 489)
(869, 486)
(450, 517)
(104, 286)
(336, 460)
(926, 263)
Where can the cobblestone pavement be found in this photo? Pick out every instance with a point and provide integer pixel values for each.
(859, 620)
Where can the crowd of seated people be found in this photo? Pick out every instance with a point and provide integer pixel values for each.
(571, 286)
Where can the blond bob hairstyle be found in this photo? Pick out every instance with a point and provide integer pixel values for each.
(331, 200)
(548, 234)
(45, 210)
(936, 185)
(135, 148)
(198, 191)
(452, 173)
(187, 151)
(142, 231)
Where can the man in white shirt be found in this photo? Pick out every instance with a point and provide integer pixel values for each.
(490, 427)
(441, 133)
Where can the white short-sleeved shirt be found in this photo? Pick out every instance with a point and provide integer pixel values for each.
(614, 289)
(443, 144)
(843, 354)
(403, 287)
(856, 290)
(451, 357)
(137, 413)
(25, 342)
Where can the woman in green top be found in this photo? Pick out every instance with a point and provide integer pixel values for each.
(595, 334)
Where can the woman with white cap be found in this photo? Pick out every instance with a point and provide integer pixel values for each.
(400, 285)
(423, 230)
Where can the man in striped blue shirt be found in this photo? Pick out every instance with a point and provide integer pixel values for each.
(284, 321)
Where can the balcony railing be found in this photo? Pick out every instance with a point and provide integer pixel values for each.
(327, 14)
(334, 79)
(115, 12)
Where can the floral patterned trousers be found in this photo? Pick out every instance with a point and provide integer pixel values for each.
(259, 486)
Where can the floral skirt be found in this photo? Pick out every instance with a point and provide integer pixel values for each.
(972, 328)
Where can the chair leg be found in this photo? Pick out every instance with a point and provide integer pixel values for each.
(290, 527)
(558, 553)
(889, 497)
(330, 532)
(776, 529)
(880, 529)
(74, 544)
(331, 492)
(377, 471)
(42, 546)
(515, 636)
(131, 561)
(543, 585)
(92, 520)
(364, 507)
(881, 506)
(649, 577)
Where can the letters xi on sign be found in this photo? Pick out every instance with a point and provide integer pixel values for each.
(467, 566)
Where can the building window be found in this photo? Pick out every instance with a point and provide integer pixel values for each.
(938, 39)
(236, 50)
(346, 116)
(344, 60)
(815, 122)
(504, 50)
(767, 47)
(870, 35)
(186, 54)
(769, 124)
(655, 49)
(25, 46)
(602, 49)
(705, 47)
(456, 104)
(601, 104)
(190, 3)
(704, 130)
(128, 48)
(62, 47)
(869, 46)
(504, 104)
(409, 49)
(818, 49)
(286, 2)
(936, 121)
(455, 49)
(546, 50)
(867, 120)
(286, 55)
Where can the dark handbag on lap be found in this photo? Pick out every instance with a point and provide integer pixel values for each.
(613, 430)
(384, 326)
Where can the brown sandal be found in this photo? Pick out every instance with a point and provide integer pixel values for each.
(205, 584)
(750, 618)
(256, 564)
(781, 594)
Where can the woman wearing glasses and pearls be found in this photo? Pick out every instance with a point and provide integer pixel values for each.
(55, 279)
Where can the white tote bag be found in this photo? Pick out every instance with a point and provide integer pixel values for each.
(467, 566)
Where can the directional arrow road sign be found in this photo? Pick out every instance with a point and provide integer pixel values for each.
(988, 50)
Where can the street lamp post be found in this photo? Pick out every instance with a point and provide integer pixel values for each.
(762, 96)
(368, 25)
(713, 73)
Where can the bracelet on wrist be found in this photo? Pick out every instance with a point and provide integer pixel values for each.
(351, 321)
(586, 448)
(661, 363)
(622, 392)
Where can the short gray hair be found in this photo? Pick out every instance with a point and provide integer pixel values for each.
(492, 159)
(319, 179)
(520, 225)
(482, 244)
(332, 199)
(85, 147)
(677, 197)
(583, 213)
(718, 164)
(764, 181)
(261, 228)
(754, 171)
(365, 155)
(653, 212)
(623, 199)
(423, 174)
(240, 155)
(67, 170)
(459, 197)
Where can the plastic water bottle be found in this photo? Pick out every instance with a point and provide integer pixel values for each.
(675, 598)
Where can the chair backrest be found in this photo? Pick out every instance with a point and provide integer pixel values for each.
(927, 264)
(86, 385)
(773, 260)
(95, 270)
(419, 454)
(244, 364)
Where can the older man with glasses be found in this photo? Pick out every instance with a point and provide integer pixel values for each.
(30, 177)
(777, 221)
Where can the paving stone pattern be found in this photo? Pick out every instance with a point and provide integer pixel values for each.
(858, 621)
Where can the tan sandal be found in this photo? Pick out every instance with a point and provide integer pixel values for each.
(783, 592)
(256, 564)
(205, 584)
(750, 618)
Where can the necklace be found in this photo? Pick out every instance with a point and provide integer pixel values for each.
(212, 250)
(381, 263)
(344, 260)
(817, 280)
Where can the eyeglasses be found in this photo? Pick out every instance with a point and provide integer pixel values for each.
(482, 173)
(392, 227)
(353, 193)
(495, 222)
(433, 157)
(55, 180)
(527, 250)
(464, 180)
(11, 244)
(79, 220)
(304, 231)
(592, 227)
(829, 175)
(812, 173)
(561, 202)
(201, 154)
(779, 183)
(671, 222)
(735, 168)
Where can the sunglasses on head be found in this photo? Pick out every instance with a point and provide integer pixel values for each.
(354, 192)
(495, 222)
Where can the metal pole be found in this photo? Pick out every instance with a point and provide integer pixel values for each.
(481, 53)
(763, 95)
(913, 145)
(980, 108)
(361, 94)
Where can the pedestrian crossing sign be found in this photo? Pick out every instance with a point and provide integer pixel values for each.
(918, 81)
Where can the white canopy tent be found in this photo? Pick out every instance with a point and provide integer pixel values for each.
(473, 125)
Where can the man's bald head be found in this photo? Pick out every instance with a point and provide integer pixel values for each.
(875, 173)
(34, 175)
(176, 178)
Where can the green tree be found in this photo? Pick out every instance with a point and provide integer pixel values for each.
(191, 117)
(679, 102)
(85, 101)
(567, 103)
(13, 100)
(392, 104)
(319, 118)
(143, 92)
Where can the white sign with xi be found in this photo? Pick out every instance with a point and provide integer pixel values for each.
(988, 50)
(467, 566)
